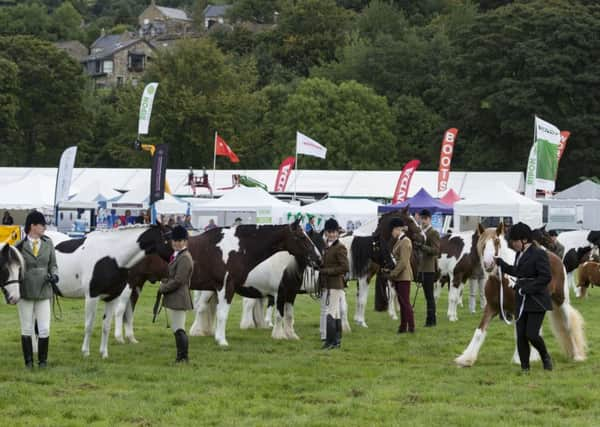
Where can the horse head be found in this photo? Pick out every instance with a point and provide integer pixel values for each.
(299, 244)
(542, 237)
(491, 243)
(12, 267)
(156, 240)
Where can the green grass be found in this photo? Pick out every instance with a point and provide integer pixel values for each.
(378, 378)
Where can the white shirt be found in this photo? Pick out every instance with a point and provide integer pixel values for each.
(32, 240)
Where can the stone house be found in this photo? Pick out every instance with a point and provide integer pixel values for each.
(215, 15)
(157, 21)
(117, 59)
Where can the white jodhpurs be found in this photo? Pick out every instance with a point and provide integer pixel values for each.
(177, 319)
(31, 311)
(332, 301)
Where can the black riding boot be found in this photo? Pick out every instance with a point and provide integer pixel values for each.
(331, 333)
(338, 333)
(43, 352)
(181, 341)
(547, 361)
(431, 320)
(27, 346)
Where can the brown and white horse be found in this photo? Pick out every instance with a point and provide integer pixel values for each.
(567, 323)
(223, 258)
(588, 274)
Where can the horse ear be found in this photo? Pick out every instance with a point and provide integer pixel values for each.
(294, 225)
(500, 228)
(543, 227)
(405, 209)
(480, 229)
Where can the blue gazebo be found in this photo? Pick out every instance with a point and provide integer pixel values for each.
(421, 200)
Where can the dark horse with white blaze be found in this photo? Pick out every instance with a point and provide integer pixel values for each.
(567, 323)
(223, 258)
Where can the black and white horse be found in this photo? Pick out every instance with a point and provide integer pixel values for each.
(578, 249)
(95, 267)
(12, 267)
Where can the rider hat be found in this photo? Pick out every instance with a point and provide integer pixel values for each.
(425, 213)
(331, 225)
(520, 231)
(34, 218)
(179, 233)
(396, 222)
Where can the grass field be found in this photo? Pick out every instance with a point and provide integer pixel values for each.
(377, 378)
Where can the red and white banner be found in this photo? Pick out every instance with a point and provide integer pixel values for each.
(285, 170)
(403, 184)
(446, 159)
(564, 137)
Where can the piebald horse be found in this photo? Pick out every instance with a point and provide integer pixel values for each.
(588, 274)
(95, 267)
(12, 267)
(223, 258)
(567, 323)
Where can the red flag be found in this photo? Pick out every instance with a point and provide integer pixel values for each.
(446, 158)
(285, 170)
(222, 149)
(403, 184)
(564, 137)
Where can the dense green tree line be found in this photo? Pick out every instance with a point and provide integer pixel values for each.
(377, 82)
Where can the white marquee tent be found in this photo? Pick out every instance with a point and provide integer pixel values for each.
(252, 205)
(138, 198)
(349, 213)
(496, 201)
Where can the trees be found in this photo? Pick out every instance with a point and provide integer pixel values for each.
(48, 86)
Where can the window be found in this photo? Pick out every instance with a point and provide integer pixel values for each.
(136, 62)
(119, 81)
(107, 67)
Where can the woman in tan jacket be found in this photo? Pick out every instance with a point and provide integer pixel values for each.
(176, 290)
(402, 275)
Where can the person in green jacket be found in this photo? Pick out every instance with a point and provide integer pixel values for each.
(36, 288)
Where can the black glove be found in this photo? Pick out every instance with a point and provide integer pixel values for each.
(499, 261)
(53, 278)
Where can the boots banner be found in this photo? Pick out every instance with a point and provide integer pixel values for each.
(404, 179)
(446, 159)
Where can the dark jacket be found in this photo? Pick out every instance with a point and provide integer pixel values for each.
(431, 251)
(176, 288)
(532, 271)
(35, 284)
(335, 266)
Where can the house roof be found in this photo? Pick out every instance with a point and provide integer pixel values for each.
(215, 11)
(74, 48)
(174, 13)
(109, 45)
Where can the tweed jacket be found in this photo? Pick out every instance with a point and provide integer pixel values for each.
(335, 266)
(176, 288)
(431, 251)
(35, 285)
(402, 252)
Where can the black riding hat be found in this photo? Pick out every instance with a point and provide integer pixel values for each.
(331, 225)
(179, 233)
(34, 218)
(396, 222)
(520, 231)
(425, 213)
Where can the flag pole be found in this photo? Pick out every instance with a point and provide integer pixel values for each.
(296, 180)
(214, 165)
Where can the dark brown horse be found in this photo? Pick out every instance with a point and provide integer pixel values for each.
(567, 323)
(223, 258)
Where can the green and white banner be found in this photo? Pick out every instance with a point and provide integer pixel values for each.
(543, 158)
(146, 108)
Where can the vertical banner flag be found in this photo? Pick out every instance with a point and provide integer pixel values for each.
(222, 149)
(564, 137)
(159, 172)
(403, 184)
(446, 159)
(146, 108)
(543, 158)
(285, 170)
(64, 174)
(308, 146)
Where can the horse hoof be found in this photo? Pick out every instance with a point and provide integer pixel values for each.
(120, 340)
(132, 340)
(104, 355)
(85, 353)
(362, 323)
(463, 363)
(223, 343)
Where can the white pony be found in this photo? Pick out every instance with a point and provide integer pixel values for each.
(95, 267)
(12, 267)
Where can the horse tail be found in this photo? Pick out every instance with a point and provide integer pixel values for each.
(568, 327)
(361, 255)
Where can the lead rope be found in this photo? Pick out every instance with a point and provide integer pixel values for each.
(502, 314)
(56, 303)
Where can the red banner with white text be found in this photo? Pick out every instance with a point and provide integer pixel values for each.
(403, 184)
(564, 137)
(285, 170)
(446, 159)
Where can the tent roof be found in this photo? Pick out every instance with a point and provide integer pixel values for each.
(138, 199)
(450, 198)
(584, 190)
(332, 206)
(421, 200)
(500, 201)
(89, 196)
(31, 192)
(244, 197)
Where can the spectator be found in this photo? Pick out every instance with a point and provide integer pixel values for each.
(7, 219)
(187, 223)
(310, 225)
(171, 222)
(238, 221)
(211, 225)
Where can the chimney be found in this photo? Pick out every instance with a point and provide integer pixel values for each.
(102, 32)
